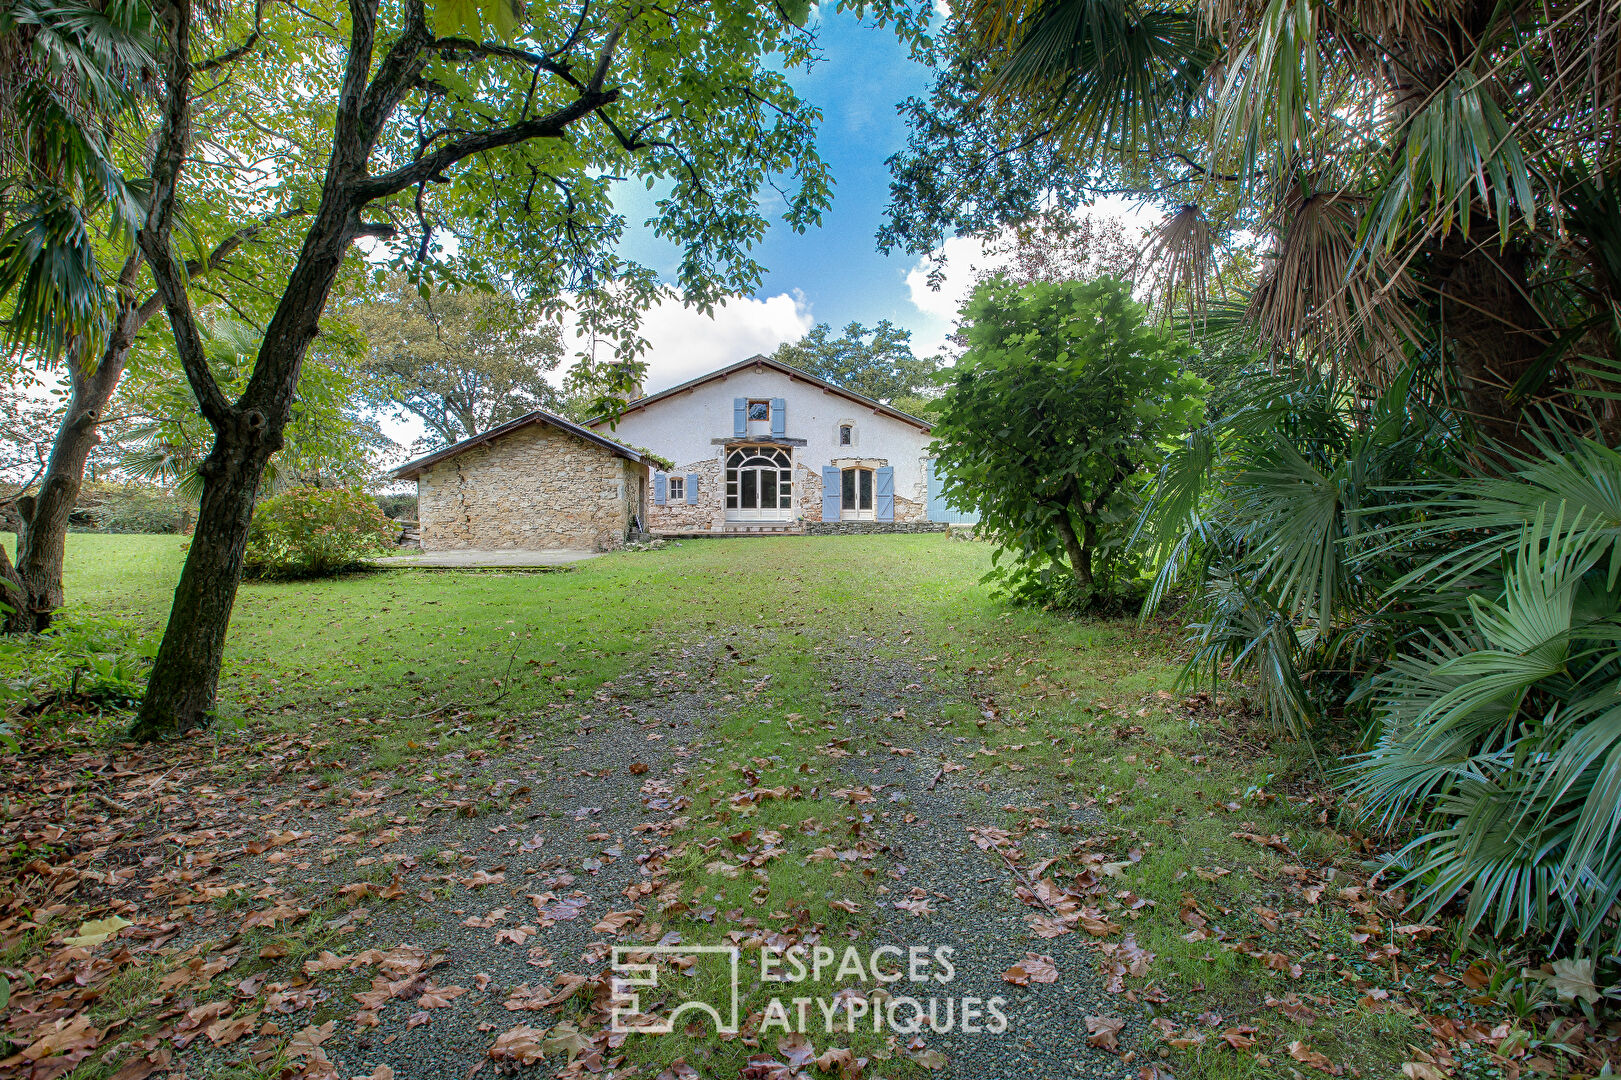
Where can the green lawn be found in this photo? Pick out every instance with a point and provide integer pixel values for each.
(867, 695)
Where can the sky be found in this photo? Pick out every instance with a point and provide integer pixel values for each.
(834, 273)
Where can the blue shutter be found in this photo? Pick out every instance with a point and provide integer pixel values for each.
(659, 487)
(831, 502)
(884, 493)
(740, 416)
(779, 416)
(692, 489)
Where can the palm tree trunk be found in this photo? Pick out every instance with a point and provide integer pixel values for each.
(1492, 332)
(42, 535)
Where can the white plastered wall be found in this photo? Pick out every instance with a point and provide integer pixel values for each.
(684, 426)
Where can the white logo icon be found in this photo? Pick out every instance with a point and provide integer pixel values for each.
(636, 968)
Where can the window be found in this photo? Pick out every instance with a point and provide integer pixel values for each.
(759, 478)
(678, 489)
(856, 491)
(847, 434)
(759, 410)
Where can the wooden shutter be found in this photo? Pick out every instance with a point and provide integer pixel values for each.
(779, 417)
(830, 493)
(740, 416)
(884, 493)
(660, 486)
(692, 489)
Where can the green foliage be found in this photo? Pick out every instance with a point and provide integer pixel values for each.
(877, 363)
(1064, 395)
(308, 532)
(83, 663)
(327, 440)
(398, 507)
(135, 508)
(1269, 514)
(1499, 729)
(1370, 190)
(74, 76)
(463, 361)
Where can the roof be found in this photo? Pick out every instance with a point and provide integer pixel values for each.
(412, 469)
(787, 369)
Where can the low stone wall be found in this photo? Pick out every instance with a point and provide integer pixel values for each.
(863, 528)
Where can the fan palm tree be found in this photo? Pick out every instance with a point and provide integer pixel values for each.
(71, 76)
(1424, 172)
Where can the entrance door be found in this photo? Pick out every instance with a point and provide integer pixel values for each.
(855, 503)
(759, 484)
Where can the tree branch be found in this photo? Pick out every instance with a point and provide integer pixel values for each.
(230, 56)
(155, 234)
(434, 164)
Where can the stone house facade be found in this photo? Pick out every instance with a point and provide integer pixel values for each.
(538, 482)
(760, 446)
(756, 447)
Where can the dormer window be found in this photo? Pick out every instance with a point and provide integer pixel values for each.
(847, 434)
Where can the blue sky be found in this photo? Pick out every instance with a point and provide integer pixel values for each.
(833, 273)
(865, 75)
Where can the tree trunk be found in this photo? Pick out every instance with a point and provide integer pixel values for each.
(42, 534)
(180, 692)
(1491, 331)
(1080, 554)
(15, 596)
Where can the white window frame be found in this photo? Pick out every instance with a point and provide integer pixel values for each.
(858, 512)
(838, 433)
(675, 489)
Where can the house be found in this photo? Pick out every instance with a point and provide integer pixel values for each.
(764, 447)
(756, 447)
(533, 483)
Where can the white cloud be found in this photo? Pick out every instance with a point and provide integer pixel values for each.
(965, 258)
(684, 343)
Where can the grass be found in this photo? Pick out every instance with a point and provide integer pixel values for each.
(383, 672)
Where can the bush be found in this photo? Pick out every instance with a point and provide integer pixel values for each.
(1063, 396)
(310, 532)
(83, 667)
(399, 507)
(132, 508)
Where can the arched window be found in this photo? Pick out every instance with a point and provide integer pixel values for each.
(759, 479)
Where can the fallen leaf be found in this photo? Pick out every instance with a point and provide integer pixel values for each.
(1033, 968)
(95, 931)
(1103, 1032)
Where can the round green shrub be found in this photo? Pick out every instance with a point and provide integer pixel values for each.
(311, 532)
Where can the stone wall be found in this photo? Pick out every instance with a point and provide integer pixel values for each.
(865, 528)
(532, 489)
(808, 492)
(709, 512)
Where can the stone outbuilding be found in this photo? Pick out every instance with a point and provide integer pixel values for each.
(538, 482)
